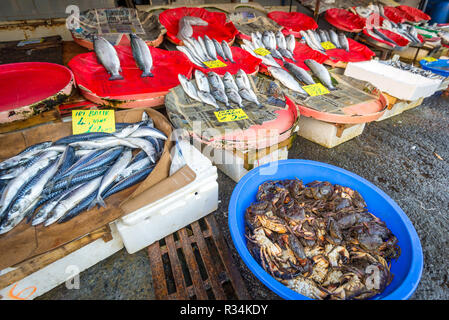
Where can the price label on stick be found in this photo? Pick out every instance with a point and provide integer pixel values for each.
(327, 45)
(215, 64)
(84, 121)
(262, 51)
(231, 115)
(316, 89)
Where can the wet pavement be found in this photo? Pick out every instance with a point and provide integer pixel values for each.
(407, 156)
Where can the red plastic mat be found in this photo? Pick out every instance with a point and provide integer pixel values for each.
(396, 15)
(23, 84)
(357, 52)
(344, 20)
(217, 27)
(244, 60)
(90, 74)
(413, 14)
(376, 20)
(293, 21)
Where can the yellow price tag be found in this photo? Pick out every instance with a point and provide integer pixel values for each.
(327, 45)
(84, 121)
(262, 51)
(214, 64)
(430, 59)
(231, 115)
(316, 89)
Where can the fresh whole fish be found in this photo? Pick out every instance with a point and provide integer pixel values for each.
(323, 36)
(291, 43)
(313, 38)
(142, 55)
(221, 96)
(72, 200)
(343, 41)
(287, 54)
(133, 168)
(267, 60)
(210, 48)
(110, 175)
(311, 43)
(82, 205)
(215, 81)
(384, 37)
(219, 49)
(242, 80)
(108, 57)
(227, 51)
(194, 21)
(299, 73)
(204, 49)
(128, 181)
(334, 38)
(82, 137)
(185, 29)
(276, 54)
(191, 56)
(201, 81)
(199, 50)
(24, 155)
(266, 39)
(286, 79)
(234, 96)
(249, 95)
(81, 162)
(188, 87)
(321, 72)
(76, 179)
(280, 40)
(148, 132)
(229, 82)
(207, 98)
(141, 143)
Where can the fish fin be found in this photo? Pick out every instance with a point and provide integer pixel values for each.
(147, 74)
(116, 77)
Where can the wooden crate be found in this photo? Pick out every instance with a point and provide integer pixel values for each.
(195, 263)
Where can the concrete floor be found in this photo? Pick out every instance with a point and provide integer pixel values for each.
(407, 156)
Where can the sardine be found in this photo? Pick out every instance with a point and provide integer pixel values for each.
(142, 55)
(207, 98)
(321, 72)
(227, 51)
(286, 79)
(188, 87)
(201, 82)
(108, 57)
(215, 81)
(299, 73)
(210, 47)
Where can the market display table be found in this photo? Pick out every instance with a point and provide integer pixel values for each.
(195, 263)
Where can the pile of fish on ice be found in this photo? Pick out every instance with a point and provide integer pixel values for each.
(301, 75)
(55, 181)
(212, 88)
(278, 45)
(107, 56)
(315, 39)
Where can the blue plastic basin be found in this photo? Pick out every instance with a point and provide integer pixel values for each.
(407, 269)
(436, 66)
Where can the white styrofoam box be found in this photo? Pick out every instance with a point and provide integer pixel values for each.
(62, 270)
(153, 222)
(325, 133)
(398, 83)
(233, 165)
(400, 107)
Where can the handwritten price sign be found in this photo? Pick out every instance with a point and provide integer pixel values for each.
(84, 121)
(230, 115)
(316, 89)
(327, 45)
(215, 64)
(262, 51)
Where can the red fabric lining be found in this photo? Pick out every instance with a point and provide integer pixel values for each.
(166, 66)
(293, 21)
(413, 14)
(395, 15)
(357, 52)
(344, 20)
(217, 27)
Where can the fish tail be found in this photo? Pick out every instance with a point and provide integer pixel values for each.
(116, 77)
(147, 74)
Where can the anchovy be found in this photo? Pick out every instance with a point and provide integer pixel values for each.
(215, 81)
(210, 47)
(188, 87)
(111, 175)
(201, 81)
(291, 43)
(321, 72)
(343, 41)
(24, 155)
(108, 57)
(229, 82)
(227, 51)
(299, 73)
(234, 96)
(142, 55)
(286, 79)
(219, 49)
(72, 200)
(207, 98)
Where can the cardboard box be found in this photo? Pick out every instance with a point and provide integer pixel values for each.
(26, 241)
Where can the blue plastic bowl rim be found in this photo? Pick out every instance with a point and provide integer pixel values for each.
(402, 292)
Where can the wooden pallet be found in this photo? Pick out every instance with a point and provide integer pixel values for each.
(195, 263)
